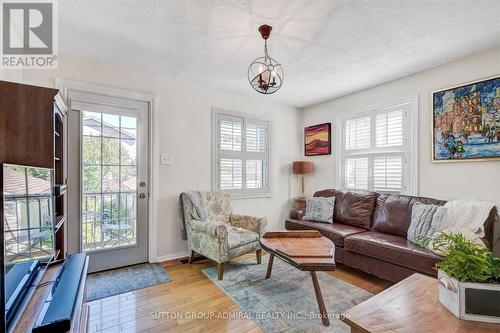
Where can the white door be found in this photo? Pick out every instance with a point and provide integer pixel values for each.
(113, 171)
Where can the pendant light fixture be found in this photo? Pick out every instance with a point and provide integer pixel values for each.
(264, 73)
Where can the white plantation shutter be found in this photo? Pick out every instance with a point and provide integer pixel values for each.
(231, 174)
(255, 137)
(356, 173)
(388, 173)
(256, 148)
(242, 154)
(230, 134)
(357, 133)
(254, 174)
(389, 128)
(376, 150)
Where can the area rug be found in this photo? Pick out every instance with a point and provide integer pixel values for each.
(286, 302)
(125, 279)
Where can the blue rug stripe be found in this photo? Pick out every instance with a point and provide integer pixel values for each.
(122, 280)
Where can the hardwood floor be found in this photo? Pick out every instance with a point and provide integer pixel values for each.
(150, 309)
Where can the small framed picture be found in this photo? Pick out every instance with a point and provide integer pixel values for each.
(317, 140)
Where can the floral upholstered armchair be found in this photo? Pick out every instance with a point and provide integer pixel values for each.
(220, 235)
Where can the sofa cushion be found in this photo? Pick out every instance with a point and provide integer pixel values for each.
(393, 213)
(319, 209)
(336, 232)
(394, 249)
(352, 208)
(425, 221)
(338, 195)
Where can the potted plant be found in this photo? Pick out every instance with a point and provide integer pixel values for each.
(469, 278)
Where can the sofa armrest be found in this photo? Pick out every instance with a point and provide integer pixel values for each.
(214, 229)
(255, 224)
(297, 214)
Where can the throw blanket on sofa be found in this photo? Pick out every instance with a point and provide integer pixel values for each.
(196, 208)
(468, 215)
(459, 216)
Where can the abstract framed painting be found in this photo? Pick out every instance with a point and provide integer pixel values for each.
(317, 140)
(466, 122)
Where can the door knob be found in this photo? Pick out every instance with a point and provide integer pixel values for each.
(142, 195)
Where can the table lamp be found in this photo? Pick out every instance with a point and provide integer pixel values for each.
(303, 168)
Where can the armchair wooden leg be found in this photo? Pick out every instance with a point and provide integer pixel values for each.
(220, 270)
(258, 253)
(191, 257)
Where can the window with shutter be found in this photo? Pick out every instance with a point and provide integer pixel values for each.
(241, 155)
(231, 174)
(389, 128)
(357, 133)
(255, 174)
(230, 134)
(376, 150)
(388, 173)
(356, 173)
(255, 137)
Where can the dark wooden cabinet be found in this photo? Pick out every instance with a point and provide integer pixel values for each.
(27, 125)
(33, 132)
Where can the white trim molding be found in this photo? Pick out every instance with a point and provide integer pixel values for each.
(171, 256)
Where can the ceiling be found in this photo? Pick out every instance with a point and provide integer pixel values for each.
(327, 48)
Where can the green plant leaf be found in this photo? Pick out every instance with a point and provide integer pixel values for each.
(466, 261)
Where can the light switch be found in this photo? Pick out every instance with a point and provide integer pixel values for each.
(167, 158)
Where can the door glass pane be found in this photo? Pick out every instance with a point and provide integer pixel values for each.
(91, 150)
(110, 151)
(91, 123)
(109, 181)
(128, 151)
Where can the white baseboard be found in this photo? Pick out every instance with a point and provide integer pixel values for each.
(171, 256)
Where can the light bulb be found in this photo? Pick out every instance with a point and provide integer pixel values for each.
(261, 69)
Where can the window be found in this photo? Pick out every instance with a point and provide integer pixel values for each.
(241, 154)
(376, 150)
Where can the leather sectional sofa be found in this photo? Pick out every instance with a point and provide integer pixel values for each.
(369, 232)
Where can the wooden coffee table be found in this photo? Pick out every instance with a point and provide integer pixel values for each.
(306, 250)
(410, 306)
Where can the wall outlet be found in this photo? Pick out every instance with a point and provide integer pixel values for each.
(167, 159)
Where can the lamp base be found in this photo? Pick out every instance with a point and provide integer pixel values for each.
(299, 203)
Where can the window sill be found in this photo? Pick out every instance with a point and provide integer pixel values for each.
(236, 196)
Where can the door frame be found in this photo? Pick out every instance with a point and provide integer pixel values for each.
(68, 85)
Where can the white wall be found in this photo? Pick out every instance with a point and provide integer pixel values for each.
(479, 180)
(182, 125)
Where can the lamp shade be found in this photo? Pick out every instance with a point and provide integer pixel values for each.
(303, 167)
